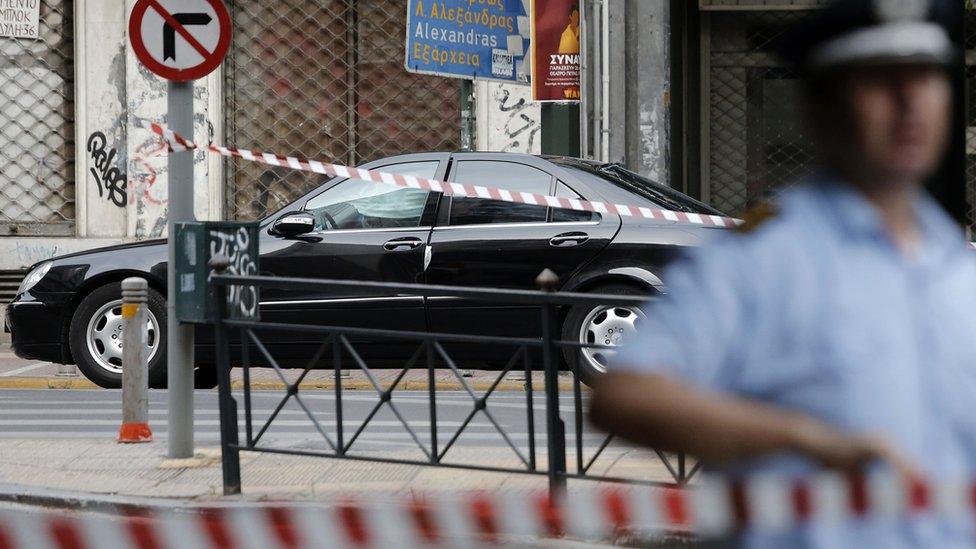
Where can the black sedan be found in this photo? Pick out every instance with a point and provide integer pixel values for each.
(68, 309)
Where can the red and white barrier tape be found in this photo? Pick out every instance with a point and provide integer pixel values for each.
(714, 508)
(179, 143)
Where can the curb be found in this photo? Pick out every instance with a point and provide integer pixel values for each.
(84, 501)
(351, 385)
(45, 383)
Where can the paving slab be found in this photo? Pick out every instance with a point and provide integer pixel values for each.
(143, 471)
(87, 477)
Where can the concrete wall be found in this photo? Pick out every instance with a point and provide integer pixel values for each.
(646, 77)
(112, 91)
(506, 118)
(639, 123)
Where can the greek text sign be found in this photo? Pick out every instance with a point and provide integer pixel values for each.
(20, 18)
(555, 50)
(484, 39)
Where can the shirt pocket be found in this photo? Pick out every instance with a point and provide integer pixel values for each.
(868, 358)
(951, 355)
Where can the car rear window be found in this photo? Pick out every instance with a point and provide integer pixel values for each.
(506, 175)
(626, 187)
(562, 215)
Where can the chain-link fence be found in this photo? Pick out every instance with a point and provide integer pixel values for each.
(37, 145)
(324, 79)
(754, 139)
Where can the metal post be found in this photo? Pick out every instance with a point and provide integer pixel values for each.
(432, 402)
(229, 454)
(246, 361)
(467, 115)
(135, 367)
(555, 427)
(179, 343)
(339, 374)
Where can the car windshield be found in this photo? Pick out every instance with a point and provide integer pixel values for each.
(637, 184)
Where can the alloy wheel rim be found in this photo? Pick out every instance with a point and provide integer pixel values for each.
(610, 327)
(104, 336)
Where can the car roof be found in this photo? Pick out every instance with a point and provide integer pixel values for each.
(559, 165)
(563, 166)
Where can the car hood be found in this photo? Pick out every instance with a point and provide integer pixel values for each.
(117, 248)
(146, 259)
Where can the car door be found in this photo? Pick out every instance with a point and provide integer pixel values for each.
(490, 243)
(363, 231)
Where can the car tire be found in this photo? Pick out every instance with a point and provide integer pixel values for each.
(93, 326)
(584, 324)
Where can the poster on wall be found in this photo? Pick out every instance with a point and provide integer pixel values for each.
(473, 39)
(20, 19)
(555, 40)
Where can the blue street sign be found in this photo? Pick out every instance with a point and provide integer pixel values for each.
(486, 39)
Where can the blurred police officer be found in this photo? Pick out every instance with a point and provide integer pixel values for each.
(836, 328)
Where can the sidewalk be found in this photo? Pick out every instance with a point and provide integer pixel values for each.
(98, 468)
(88, 486)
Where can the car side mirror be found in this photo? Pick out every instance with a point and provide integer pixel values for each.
(294, 224)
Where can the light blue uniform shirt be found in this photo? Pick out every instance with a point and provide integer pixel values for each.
(817, 311)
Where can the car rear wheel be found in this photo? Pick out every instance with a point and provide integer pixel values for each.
(95, 336)
(601, 325)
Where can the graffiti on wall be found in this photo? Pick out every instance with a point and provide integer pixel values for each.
(518, 127)
(109, 179)
(143, 180)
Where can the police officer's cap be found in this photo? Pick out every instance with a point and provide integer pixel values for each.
(871, 32)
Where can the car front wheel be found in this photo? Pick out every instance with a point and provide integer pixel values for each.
(608, 326)
(95, 336)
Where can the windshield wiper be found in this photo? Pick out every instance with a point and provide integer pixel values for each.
(631, 179)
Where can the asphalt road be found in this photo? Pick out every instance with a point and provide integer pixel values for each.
(51, 413)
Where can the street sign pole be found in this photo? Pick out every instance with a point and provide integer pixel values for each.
(181, 41)
(179, 343)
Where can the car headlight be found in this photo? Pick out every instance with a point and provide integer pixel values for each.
(33, 277)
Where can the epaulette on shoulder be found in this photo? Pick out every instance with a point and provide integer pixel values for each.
(757, 216)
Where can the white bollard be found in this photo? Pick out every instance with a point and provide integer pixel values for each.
(135, 367)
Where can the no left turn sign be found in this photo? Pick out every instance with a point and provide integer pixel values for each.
(180, 39)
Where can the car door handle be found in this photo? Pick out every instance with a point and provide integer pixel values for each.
(403, 244)
(568, 239)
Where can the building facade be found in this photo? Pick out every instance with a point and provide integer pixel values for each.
(688, 93)
(318, 79)
(738, 133)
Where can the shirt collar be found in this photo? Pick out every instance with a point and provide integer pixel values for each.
(856, 216)
(850, 210)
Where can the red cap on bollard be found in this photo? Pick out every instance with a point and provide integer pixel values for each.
(135, 432)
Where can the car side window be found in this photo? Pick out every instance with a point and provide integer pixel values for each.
(503, 175)
(562, 215)
(358, 204)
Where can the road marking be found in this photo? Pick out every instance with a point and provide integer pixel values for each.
(313, 440)
(216, 423)
(73, 412)
(28, 368)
